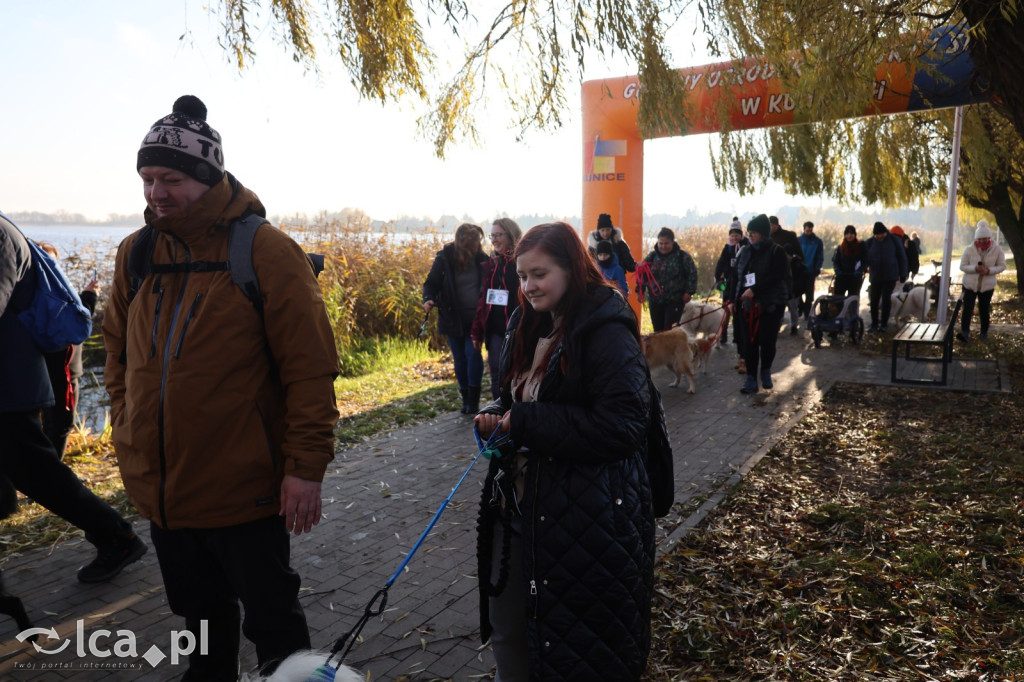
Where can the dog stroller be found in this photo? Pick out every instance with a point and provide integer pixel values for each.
(835, 315)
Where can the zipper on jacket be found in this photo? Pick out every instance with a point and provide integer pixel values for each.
(184, 328)
(266, 436)
(163, 391)
(533, 554)
(156, 318)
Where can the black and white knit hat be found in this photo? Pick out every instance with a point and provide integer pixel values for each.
(183, 140)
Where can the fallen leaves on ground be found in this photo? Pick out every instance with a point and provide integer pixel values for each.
(880, 540)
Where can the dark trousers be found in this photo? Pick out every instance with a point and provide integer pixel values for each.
(880, 293)
(806, 295)
(760, 337)
(207, 571)
(849, 285)
(28, 460)
(494, 343)
(664, 315)
(58, 420)
(984, 309)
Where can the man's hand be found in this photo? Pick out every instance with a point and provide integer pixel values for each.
(300, 504)
(686, 298)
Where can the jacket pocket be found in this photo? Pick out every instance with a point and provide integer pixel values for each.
(184, 328)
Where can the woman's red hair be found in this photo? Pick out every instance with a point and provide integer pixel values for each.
(561, 242)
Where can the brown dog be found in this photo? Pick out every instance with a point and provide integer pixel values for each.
(671, 348)
(700, 350)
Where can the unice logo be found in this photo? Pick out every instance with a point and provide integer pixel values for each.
(98, 644)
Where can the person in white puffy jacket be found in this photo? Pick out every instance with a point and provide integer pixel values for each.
(981, 262)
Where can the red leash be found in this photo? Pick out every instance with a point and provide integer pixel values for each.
(645, 278)
(753, 318)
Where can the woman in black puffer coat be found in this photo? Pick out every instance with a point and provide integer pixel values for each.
(566, 528)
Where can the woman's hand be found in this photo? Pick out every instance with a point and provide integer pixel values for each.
(427, 305)
(486, 423)
(747, 295)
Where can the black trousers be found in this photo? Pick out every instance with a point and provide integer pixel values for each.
(28, 460)
(806, 295)
(664, 315)
(760, 338)
(984, 309)
(880, 293)
(849, 285)
(207, 571)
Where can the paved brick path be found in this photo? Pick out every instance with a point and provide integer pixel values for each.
(378, 499)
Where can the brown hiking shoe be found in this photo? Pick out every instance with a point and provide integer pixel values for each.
(741, 367)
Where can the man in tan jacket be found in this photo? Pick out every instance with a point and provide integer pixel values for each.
(222, 407)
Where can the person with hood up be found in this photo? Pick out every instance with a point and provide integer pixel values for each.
(675, 281)
(912, 251)
(886, 262)
(606, 232)
(566, 526)
(610, 268)
(980, 263)
(222, 407)
(762, 292)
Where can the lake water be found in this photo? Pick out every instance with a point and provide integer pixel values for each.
(101, 242)
(76, 238)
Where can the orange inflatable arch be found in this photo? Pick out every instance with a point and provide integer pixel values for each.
(752, 96)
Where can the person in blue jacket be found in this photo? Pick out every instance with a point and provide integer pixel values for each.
(814, 257)
(610, 268)
(28, 461)
(886, 265)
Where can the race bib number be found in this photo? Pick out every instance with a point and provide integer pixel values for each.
(497, 297)
(750, 280)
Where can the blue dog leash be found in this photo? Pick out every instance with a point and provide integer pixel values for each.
(376, 605)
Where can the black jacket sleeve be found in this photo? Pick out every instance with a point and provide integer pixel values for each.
(608, 418)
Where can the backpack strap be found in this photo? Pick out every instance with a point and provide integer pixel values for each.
(243, 274)
(140, 260)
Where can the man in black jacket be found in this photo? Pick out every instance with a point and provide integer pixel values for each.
(28, 461)
(790, 243)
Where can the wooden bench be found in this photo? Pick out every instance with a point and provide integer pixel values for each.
(926, 334)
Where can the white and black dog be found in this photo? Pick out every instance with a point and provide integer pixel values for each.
(702, 318)
(914, 301)
(306, 666)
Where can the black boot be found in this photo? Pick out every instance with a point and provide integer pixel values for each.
(473, 401)
(464, 392)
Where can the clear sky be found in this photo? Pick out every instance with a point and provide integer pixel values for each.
(82, 82)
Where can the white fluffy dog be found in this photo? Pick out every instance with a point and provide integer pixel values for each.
(702, 318)
(913, 301)
(303, 666)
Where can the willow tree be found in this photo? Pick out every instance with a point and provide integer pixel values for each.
(531, 53)
(894, 160)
